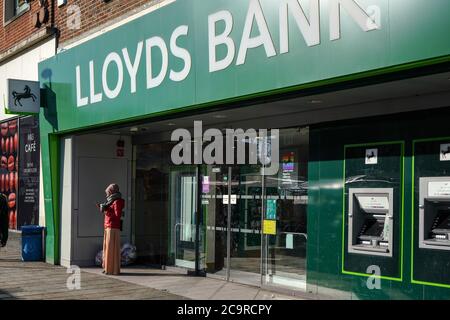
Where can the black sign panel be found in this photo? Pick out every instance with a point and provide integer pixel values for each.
(29, 163)
(23, 96)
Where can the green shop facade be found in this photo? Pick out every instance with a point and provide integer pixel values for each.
(359, 90)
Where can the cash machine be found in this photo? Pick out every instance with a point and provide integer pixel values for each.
(370, 221)
(434, 213)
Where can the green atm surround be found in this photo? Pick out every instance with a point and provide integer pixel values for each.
(429, 266)
(390, 166)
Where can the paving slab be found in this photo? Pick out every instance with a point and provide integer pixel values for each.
(197, 288)
(39, 280)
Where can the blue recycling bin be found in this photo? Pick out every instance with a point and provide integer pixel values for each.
(32, 247)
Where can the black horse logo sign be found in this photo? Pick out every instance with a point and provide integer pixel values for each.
(27, 94)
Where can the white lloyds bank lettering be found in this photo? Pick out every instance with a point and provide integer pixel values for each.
(310, 29)
(222, 39)
(355, 11)
(133, 67)
(81, 101)
(95, 97)
(112, 93)
(308, 25)
(255, 34)
(256, 14)
(132, 64)
(180, 53)
(156, 42)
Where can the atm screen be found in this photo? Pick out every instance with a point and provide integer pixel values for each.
(372, 227)
(442, 220)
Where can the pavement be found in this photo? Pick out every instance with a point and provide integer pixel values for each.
(179, 283)
(39, 280)
(42, 281)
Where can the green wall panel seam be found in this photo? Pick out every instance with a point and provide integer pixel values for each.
(54, 167)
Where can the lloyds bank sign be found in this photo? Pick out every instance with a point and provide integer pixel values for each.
(297, 21)
(195, 53)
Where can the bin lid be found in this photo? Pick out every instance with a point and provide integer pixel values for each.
(31, 229)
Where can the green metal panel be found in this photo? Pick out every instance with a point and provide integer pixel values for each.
(326, 202)
(389, 174)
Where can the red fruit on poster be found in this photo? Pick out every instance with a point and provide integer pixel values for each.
(4, 187)
(7, 146)
(12, 125)
(2, 183)
(4, 162)
(12, 200)
(4, 129)
(11, 163)
(12, 181)
(6, 182)
(3, 144)
(16, 142)
(11, 219)
(11, 145)
(16, 178)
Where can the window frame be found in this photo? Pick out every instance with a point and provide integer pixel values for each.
(18, 11)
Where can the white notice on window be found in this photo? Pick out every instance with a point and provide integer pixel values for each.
(289, 241)
(439, 189)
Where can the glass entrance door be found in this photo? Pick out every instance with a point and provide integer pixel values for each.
(245, 226)
(232, 202)
(183, 203)
(236, 202)
(286, 202)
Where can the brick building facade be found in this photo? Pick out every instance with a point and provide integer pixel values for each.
(69, 22)
(94, 15)
(18, 29)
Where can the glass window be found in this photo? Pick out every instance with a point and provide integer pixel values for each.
(286, 196)
(13, 8)
(151, 202)
(21, 5)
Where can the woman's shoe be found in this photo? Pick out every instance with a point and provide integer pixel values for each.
(103, 271)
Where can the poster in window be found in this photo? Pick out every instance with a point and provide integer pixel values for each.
(28, 165)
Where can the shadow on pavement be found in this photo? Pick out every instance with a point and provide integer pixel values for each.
(4, 295)
(151, 274)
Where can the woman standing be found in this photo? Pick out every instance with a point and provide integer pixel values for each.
(112, 209)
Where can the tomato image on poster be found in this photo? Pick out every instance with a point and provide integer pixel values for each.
(8, 168)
